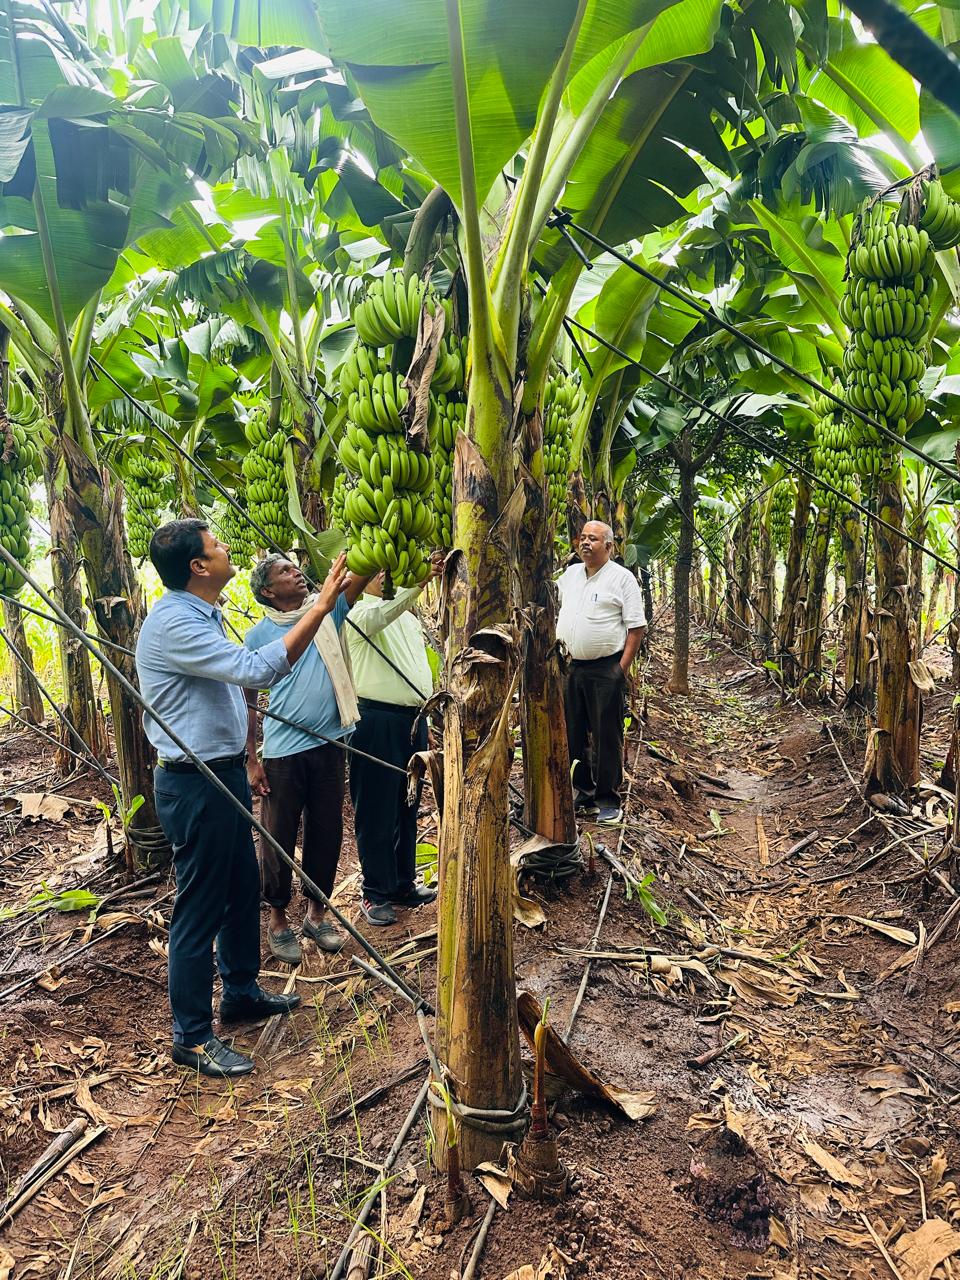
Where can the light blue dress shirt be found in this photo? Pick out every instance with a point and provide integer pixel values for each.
(195, 677)
(305, 696)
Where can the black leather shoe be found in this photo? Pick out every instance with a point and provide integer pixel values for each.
(256, 1008)
(418, 896)
(213, 1059)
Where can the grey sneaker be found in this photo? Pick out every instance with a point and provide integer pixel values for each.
(610, 816)
(324, 935)
(585, 806)
(377, 912)
(284, 946)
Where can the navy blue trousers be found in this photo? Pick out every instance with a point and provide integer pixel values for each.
(218, 895)
(385, 825)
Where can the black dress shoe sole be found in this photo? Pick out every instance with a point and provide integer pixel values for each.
(258, 1013)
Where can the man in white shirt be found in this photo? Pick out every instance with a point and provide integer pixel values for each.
(601, 623)
(393, 680)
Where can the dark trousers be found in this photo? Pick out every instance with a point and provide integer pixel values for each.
(218, 895)
(385, 824)
(595, 704)
(310, 785)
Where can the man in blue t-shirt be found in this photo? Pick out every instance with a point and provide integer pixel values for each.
(300, 775)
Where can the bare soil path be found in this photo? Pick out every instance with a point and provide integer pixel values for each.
(782, 927)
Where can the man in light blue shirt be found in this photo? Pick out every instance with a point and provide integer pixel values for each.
(301, 776)
(193, 676)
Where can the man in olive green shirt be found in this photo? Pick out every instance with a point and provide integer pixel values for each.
(389, 728)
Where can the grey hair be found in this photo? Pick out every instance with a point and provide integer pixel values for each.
(261, 572)
(607, 531)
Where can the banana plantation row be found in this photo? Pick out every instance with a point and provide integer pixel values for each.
(461, 276)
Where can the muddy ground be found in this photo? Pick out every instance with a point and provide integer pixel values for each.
(783, 921)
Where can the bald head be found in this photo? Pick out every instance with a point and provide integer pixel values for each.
(596, 545)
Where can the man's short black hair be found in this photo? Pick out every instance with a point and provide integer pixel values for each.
(172, 548)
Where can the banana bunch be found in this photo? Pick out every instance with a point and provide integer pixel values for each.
(144, 486)
(338, 497)
(388, 521)
(940, 216)
(711, 529)
(450, 373)
(451, 418)
(236, 532)
(561, 400)
(18, 430)
(377, 403)
(887, 308)
(266, 485)
(390, 310)
(385, 460)
(362, 363)
(883, 310)
(782, 502)
(889, 250)
(256, 429)
(834, 455)
(14, 524)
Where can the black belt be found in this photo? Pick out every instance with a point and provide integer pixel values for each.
(371, 704)
(590, 662)
(217, 766)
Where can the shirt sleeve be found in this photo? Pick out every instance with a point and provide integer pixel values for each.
(201, 650)
(372, 615)
(340, 610)
(633, 612)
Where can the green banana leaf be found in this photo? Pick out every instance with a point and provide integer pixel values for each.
(399, 56)
(263, 23)
(323, 547)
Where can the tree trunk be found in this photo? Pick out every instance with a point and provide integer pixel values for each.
(618, 523)
(918, 531)
(893, 750)
(578, 509)
(743, 561)
(698, 588)
(713, 590)
(856, 610)
(811, 641)
(953, 631)
(766, 582)
(679, 678)
(933, 604)
(27, 699)
(80, 708)
(118, 612)
(547, 787)
(729, 626)
(646, 586)
(793, 581)
(477, 1026)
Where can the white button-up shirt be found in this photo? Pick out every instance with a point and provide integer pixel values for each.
(597, 612)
